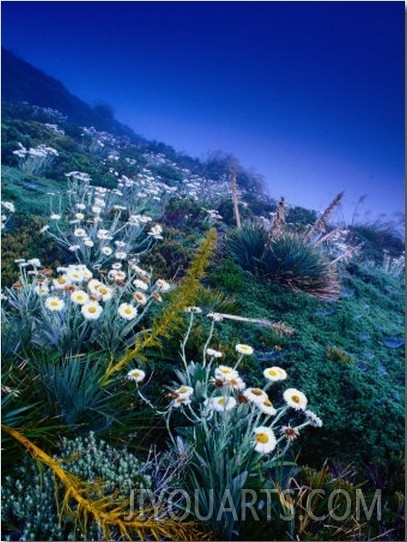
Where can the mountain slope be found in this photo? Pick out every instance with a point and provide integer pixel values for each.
(22, 82)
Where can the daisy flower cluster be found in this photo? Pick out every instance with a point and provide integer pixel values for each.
(209, 392)
(98, 227)
(92, 294)
(258, 402)
(32, 161)
(114, 301)
(146, 187)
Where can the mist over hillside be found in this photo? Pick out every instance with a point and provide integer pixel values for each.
(22, 82)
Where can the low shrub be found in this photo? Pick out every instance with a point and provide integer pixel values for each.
(32, 498)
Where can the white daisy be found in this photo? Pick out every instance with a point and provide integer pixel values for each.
(116, 275)
(244, 349)
(136, 374)
(289, 432)
(61, 282)
(41, 289)
(140, 271)
(163, 285)
(225, 373)
(198, 310)
(127, 311)
(156, 231)
(91, 310)
(255, 395)
(295, 399)
(184, 391)
(105, 292)
(214, 353)
(181, 401)
(234, 383)
(9, 206)
(75, 274)
(93, 285)
(79, 232)
(107, 251)
(87, 274)
(79, 297)
(274, 374)
(140, 284)
(102, 234)
(216, 316)
(264, 440)
(140, 298)
(266, 406)
(53, 303)
(221, 404)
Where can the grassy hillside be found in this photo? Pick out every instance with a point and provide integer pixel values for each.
(180, 292)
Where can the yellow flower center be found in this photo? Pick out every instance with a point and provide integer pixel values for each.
(128, 310)
(226, 371)
(92, 310)
(267, 403)
(257, 391)
(262, 437)
(295, 398)
(61, 280)
(272, 372)
(221, 401)
(54, 303)
(182, 390)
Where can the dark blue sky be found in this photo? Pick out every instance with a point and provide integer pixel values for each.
(309, 94)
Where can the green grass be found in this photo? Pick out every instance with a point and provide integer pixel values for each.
(359, 402)
(28, 195)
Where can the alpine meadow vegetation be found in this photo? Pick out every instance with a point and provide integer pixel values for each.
(184, 358)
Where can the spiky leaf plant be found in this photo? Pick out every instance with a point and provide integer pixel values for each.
(246, 246)
(300, 266)
(72, 387)
(289, 260)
